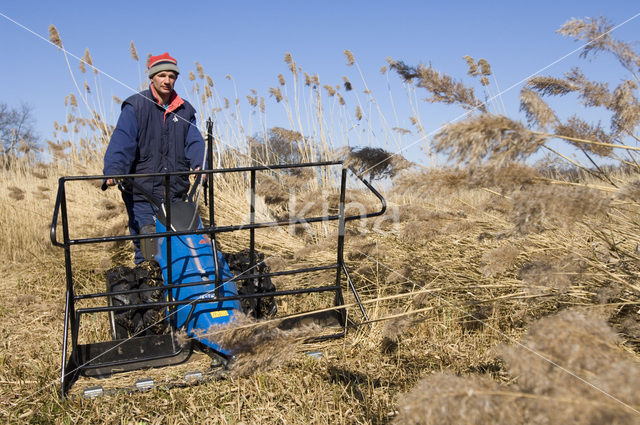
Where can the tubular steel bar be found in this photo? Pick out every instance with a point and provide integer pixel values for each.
(205, 282)
(197, 301)
(70, 312)
(252, 236)
(355, 292)
(71, 368)
(220, 229)
(212, 218)
(340, 260)
(168, 248)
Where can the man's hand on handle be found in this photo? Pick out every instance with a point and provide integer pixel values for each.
(202, 176)
(108, 182)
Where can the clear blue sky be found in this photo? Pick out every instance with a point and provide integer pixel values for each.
(247, 39)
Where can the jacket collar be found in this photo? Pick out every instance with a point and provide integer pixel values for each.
(175, 101)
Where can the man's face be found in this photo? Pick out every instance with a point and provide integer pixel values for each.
(163, 82)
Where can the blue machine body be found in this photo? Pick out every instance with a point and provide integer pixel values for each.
(192, 261)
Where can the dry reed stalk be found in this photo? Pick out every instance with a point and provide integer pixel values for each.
(590, 350)
(543, 392)
(546, 272)
(447, 398)
(498, 260)
(575, 128)
(538, 207)
(259, 347)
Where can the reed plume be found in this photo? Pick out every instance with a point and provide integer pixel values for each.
(54, 36)
(551, 86)
(375, 162)
(473, 70)
(576, 128)
(442, 87)
(133, 51)
(89, 61)
(592, 93)
(537, 111)
(487, 137)
(596, 32)
(350, 58)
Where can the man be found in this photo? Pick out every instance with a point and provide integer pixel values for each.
(156, 133)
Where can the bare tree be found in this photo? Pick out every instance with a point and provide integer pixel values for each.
(17, 130)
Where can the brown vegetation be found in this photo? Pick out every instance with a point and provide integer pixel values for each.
(497, 291)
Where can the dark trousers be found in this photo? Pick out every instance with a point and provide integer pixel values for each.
(141, 213)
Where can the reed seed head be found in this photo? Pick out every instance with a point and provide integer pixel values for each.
(133, 51)
(485, 68)
(200, 70)
(537, 111)
(550, 86)
(487, 137)
(275, 92)
(591, 93)
(16, 193)
(577, 128)
(347, 83)
(350, 58)
(54, 36)
(473, 66)
(89, 61)
(626, 108)
(443, 88)
(330, 90)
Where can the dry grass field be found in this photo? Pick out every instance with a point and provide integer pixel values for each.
(498, 291)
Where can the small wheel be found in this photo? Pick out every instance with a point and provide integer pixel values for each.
(257, 307)
(118, 280)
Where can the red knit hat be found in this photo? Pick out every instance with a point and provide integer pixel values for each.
(162, 62)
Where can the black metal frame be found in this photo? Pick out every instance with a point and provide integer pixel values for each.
(84, 357)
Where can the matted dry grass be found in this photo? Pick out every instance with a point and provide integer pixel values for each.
(446, 283)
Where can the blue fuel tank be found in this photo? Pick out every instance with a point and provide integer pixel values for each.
(192, 261)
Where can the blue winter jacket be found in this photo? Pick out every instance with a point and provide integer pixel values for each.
(151, 139)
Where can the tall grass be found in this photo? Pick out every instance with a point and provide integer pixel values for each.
(498, 290)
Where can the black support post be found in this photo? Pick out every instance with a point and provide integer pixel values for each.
(340, 260)
(167, 206)
(212, 218)
(70, 318)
